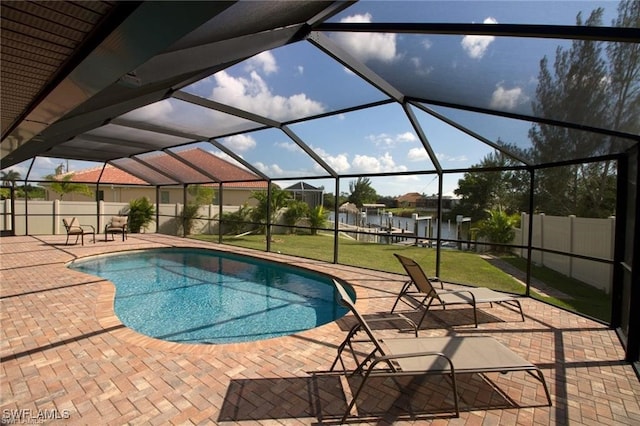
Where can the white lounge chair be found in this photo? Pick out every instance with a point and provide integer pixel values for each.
(427, 293)
(425, 355)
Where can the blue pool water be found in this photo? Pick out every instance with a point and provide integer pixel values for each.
(204, 296)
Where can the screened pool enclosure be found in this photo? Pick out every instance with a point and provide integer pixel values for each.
(485, 110)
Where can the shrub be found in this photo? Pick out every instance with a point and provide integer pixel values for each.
(296, 210)
(141, 214)
(189, 216)
(317, 219)
(498, 228)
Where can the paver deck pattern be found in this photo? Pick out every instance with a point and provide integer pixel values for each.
(64, 353)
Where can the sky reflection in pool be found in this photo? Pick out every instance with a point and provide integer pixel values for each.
(204, 296)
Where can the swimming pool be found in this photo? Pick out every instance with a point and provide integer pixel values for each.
(206, 296)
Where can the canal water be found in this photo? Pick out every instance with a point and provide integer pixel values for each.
(449, 228)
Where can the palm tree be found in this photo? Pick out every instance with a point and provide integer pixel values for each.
(279, 199)
(9, 177)
(64, 184)
(296, 210)
(317, 219)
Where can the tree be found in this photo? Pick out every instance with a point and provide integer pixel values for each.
(236, 222)
(624, 69)
(329, 200)
(481, 191)
(141, 213)
(317, 219)
(9, 177)
(586, 86)
(362, 192)
(200, 195)
(64, 184)
(296, 210)
(389, 201)
(279, 199)
(498, 228)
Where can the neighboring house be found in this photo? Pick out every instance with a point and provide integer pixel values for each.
(431, 203)
(420, 202)
(309, 194)
(118, 185)
(410, 200)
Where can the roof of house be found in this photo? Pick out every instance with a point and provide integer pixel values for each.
(170, 169)
(409, 197)
(302, 186)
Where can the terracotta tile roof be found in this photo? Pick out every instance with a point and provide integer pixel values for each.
(410, 197)
(111, 175)
(221, 169)
(176, 171)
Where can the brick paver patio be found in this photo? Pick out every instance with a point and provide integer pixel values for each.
(65, 354)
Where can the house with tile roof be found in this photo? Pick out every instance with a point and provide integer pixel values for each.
(410, 199)
(125, 181)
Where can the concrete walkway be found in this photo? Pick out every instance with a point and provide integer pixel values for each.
(65, 354)
(539, 286)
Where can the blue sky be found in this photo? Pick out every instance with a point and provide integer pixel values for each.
(298, 80)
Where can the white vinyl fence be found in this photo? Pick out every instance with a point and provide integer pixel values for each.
(572, 235)
(45, 217)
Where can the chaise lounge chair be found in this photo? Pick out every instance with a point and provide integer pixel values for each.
(73, 227)
(427, 294)
(426, 355)
(117, 225)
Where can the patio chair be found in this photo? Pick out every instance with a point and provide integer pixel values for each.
(409, 356)
(117, 225)
(427, 294)
(73, 227)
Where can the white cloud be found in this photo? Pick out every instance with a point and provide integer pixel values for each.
(451, 159)
(264, 61)
(300, 69)
(253, 94)
(367, 46)
(367, 164)
(384, 139)
(382, 164)
(288, 146)
(476, 46)
(240, 143)
(419, 68)
(228, 158)
(157, 111)
(269, 170)
(339, 162)
(407, 137)
(418, 154)
(507, 99)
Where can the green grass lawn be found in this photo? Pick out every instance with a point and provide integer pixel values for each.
(456, 266)
(583, 297)
(459, 267)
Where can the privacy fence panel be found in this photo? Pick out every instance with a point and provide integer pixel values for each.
(573, 236)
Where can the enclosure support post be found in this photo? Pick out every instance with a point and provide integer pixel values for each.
(336, 212)
(268, 230)
(530, 230)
